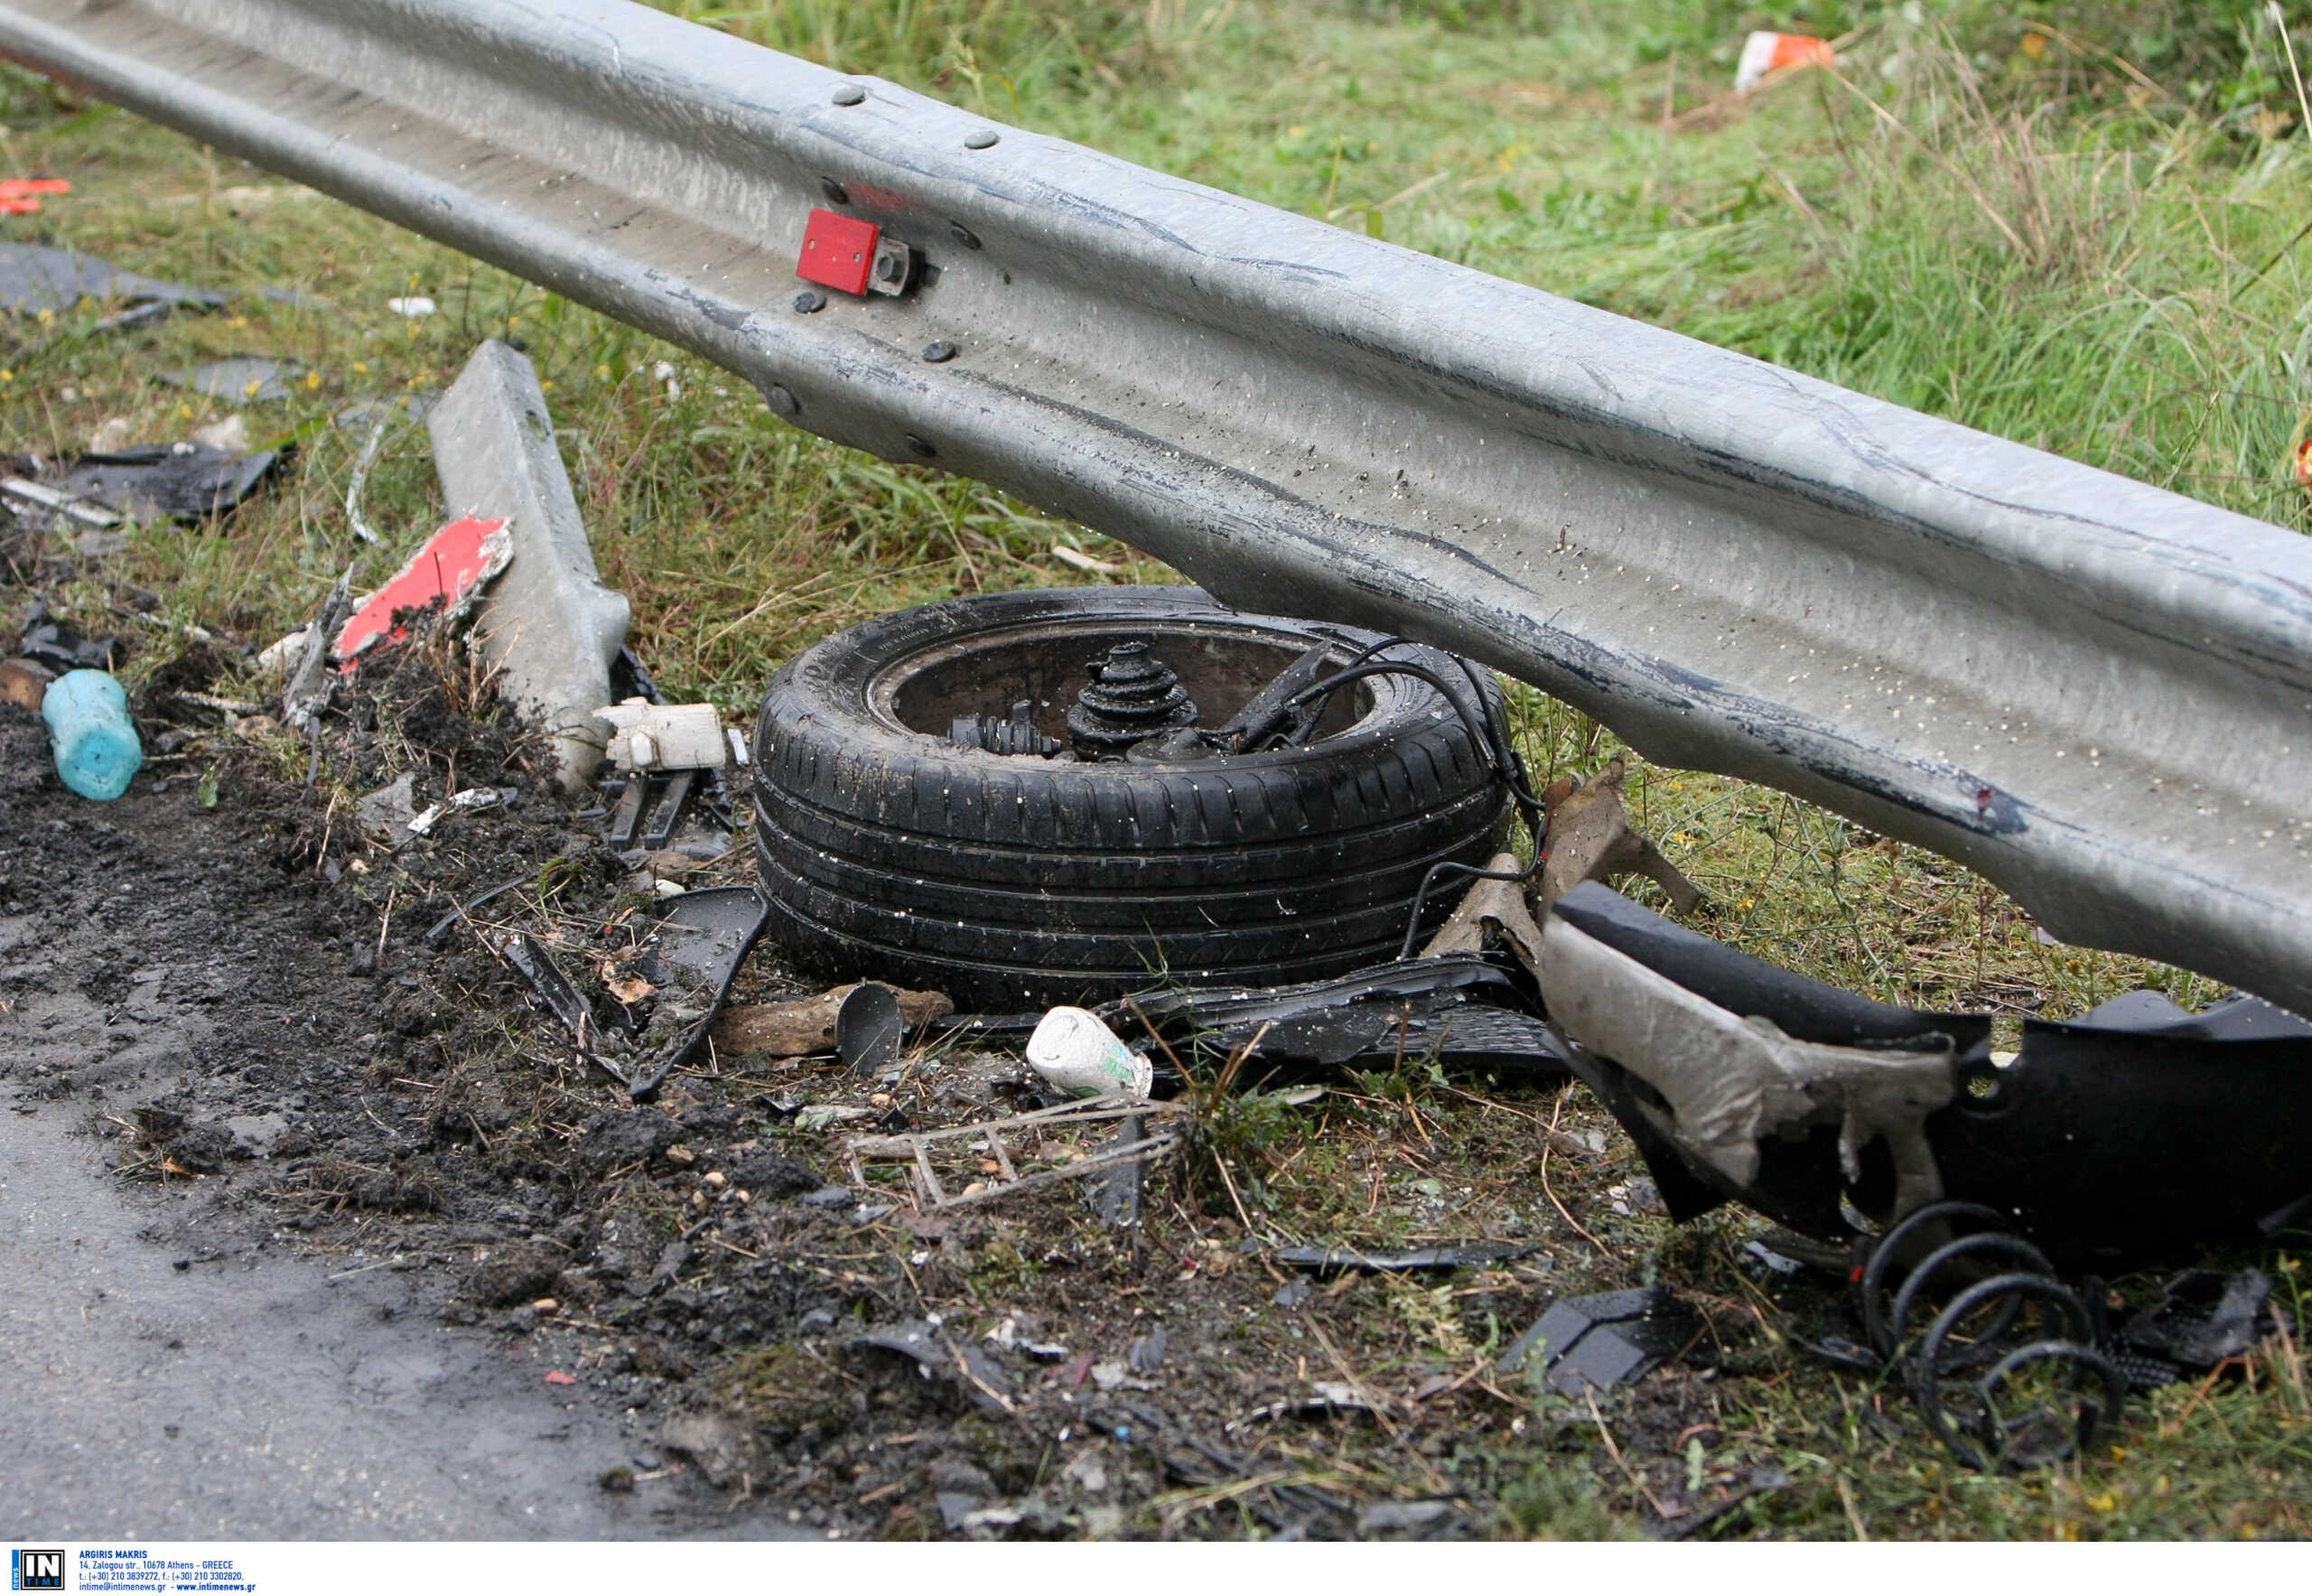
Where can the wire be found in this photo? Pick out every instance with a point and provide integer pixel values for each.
(1429, 879)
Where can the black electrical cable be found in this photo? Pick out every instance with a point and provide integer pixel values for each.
(1429, 879)
(1481, 723)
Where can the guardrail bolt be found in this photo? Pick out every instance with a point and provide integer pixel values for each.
(985, 139)
(779, 399)
(939, 350)
(810, 300)
(849, 94)
(835, 192)
(963, 235)
(920, 448)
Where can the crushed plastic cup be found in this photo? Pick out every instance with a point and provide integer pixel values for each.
(1075, 1053)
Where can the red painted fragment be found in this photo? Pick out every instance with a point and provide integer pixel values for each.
(454, 564)
(19, 196)
(838, 251)
(554, 1377)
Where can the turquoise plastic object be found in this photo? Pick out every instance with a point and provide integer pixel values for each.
(95, 742)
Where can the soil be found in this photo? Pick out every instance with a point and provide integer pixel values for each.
(248, 1003)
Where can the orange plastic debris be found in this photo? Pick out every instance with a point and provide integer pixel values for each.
(19, 196)
(2304, 463)
(1764, 54)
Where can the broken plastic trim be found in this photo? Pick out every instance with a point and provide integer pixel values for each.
(2130, 1132)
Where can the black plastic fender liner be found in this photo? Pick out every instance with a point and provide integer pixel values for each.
(1010, 881)
(2127, 1134)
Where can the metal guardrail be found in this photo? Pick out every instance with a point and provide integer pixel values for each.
(2096, 693)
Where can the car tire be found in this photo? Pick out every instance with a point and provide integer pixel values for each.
(1011, 882)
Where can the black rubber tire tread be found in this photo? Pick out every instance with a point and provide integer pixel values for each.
(1074, 880)
(1109, 887)
(1017, 988)
(1269, 939)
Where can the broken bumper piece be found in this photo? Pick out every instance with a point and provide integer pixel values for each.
(2129, 1132)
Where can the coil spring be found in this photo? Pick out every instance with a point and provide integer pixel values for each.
(2005, 1281)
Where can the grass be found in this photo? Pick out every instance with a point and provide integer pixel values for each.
(2072, 225)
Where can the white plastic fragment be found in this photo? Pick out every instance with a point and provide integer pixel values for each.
(738, 741)
(47, 498)
(648, 736)
(414, 306)
(1076, 1054)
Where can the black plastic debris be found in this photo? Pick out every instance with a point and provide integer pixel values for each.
(869, 1028)
(2205, 1317)
(36, 277)
(2133, 1131)
(168, 482)
(1463, 1011)
(679, 979)
(1468, 1254)
(1605, 1339)
(59, 645)
(536, 965)
(703, 938)
(978, 1375)
(239, 380)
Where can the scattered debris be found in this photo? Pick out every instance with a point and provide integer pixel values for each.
(1602, 1340)
(673, 984)
(987, 1137)
(36, 277)
(551, 626)
(308, 684)
(1076, 1054)
(977, 1375)
(450, 570)
(806, 1025)
(95, 744)
(161, 482)
(1462, 1255)
(414, 306)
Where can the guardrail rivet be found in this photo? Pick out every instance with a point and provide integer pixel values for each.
(919, 448)
(835, 192)
(781, 400)
(849, 94)
(810, 300)
(982, 140)
(963, 235)
(937, 350)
